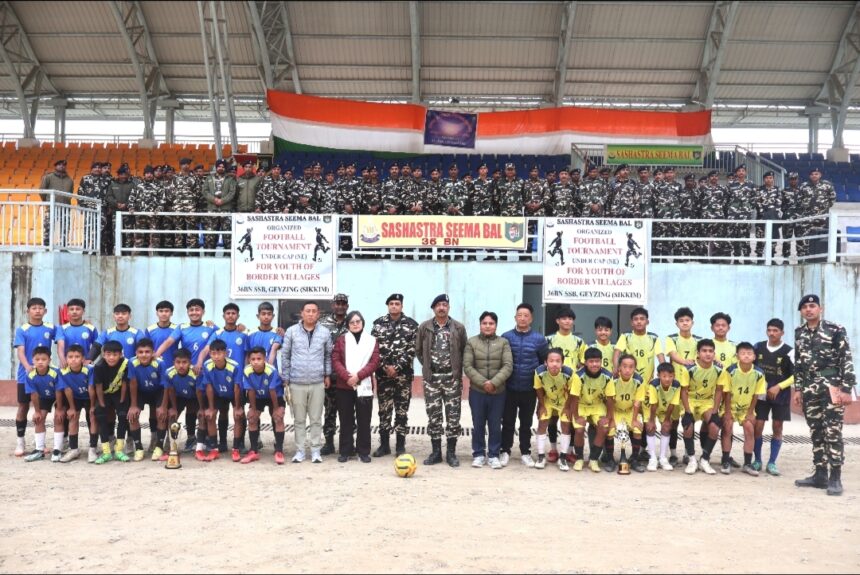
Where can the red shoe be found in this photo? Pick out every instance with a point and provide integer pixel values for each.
(236, 456)
(200, 455)
(571, 458)
(163, 457)
(252, 456)
(552, 457)
(213, 455)
(279, 457)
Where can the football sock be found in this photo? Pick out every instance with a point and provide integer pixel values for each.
(94, 439)
(726, 456)
(160, 436)
(235, 442)
(594, 454)
(222, 431)
(747, 458)
(58, 441)
(73, 441)
(564, 440)
(665, 441)
(652, 445)
(636, 450)
(279, 441)
(579, 452)
(609, 449)
(255, 437)
(541, 444)
(40, 440)
(689, 446)
(20, 427)
(135, 436)
(775, 446)
(757, 447)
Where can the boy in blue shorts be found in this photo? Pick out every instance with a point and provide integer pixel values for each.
(40, 384)
(35, 333)
(265, 389)
(74, 386)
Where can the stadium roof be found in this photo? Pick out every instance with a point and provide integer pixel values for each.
(759, 64)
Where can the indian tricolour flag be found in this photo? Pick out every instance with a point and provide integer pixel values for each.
(310, 123)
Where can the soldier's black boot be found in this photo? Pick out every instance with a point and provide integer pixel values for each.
(400, 448)
(834, 486)
(817, 480)
(328, 448)
(435, 455)
(451, 455)
(384, 445)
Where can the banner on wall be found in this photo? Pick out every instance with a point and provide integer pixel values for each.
(473, 232)
(283, 256)
(650, 155)
(595, 261)
(451, 129)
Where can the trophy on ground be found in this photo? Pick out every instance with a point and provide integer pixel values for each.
(173, 456)
(623, 437)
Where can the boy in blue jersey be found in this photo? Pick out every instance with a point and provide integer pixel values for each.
(193, 336)
(265, 389)
(121, 332)
(35, 333)
(180, 382)
(74, 385)
(40, 384)
(163, 329)
(221, 379)
(266, 336)
(145, 376)
(110, 384)
(76, 331)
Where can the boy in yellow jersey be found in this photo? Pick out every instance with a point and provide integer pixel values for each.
(681, 351)
(701, 393)
(591, 401)
(725, 350)
(629, 395)
(744, 384)
(662, 400)
(552, 382)
(603, 341)
(643, 345)
(572, 346)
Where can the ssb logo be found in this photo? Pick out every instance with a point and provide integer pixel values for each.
(85, 335)
(238, 341)
(46, 335)
(229, 379)
(153, 375)
(129, 340)
(205, 335)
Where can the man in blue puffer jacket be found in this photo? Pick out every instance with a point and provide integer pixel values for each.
(529, 349)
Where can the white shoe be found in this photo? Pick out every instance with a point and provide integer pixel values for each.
(692, 466)
(70, 455)
(665, 465)
(299, 456)
(92, 455)
(316, 456)
(478, 461)
(562, 463)
(505, 458)
(495, 463)
(55, 457)
(705, 466)
(527, 460)
(652, 464)
(541, 461)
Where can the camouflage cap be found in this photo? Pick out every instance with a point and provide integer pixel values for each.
(340, 297)
(793, 175)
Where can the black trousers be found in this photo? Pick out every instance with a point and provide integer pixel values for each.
(350, 408)
(520, 403)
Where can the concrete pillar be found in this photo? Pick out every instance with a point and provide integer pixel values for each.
(147, 143)
(838, 155)
(813, 134)
(60, 124)
(170, 125)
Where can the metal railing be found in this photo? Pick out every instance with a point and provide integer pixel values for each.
(832, 237)
(53, 223)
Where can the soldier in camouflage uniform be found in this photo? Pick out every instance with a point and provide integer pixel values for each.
(535, 196)
(740, 205)
(625, 194)
(328, 194)
(272, 194)
(646, 190)
(817, 197)
(509, 193)
(341, 173)
(434, 195)
(165, 222)
(335, 321)
(219, 191)
(395, 334)
(413, 190)
(712, 206)
(768, 207)
(481, 199)
(391, 191)
(104, 182)
(666, 203)
(790, 210)
(564, 197)
(304, 193)
(147, 196)
(439, 346)
(117, 200)
(595, 197)
(185, 197)
(371, 193)
(824, 377)
(454, 193)
(90, 186)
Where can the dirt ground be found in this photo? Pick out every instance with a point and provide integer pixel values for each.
(361, 518)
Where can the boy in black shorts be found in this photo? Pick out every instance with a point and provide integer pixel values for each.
(265, 389)
(146, 389)
(776, 360)
(40, 384)
(74, 385)
(110, 382)
(181, 384)
(222, 384)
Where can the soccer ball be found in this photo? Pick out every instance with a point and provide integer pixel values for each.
(405, 465)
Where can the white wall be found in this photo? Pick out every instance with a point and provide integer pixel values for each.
(750, 294)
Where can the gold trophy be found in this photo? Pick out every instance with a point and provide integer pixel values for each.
(623, 437)
(173, 456)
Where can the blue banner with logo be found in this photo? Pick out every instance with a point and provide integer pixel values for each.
(451, 129)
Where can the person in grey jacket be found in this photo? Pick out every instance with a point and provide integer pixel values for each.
(306, 372)
(488, 363)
